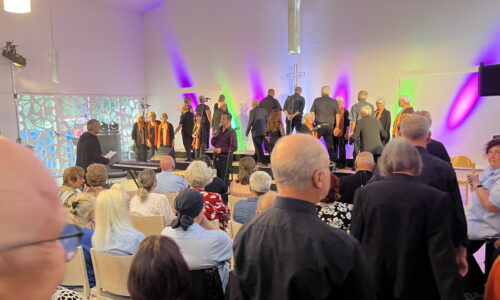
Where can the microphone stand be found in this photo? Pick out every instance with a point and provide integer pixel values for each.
(229, 159)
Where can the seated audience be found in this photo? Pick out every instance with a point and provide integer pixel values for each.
(364, 166)
(201, 243)
(244, 210)
(483, 217)
(146, 203)
(404, 230)
(82, 214)
(240, 187)
(72, 180)
(198, 175)
(266, 201)
(114, 233)
(334, 213)
(168, 182)
(31, 222)
(217, 185)
(434, 147)
(287, 252)
(158, 270)
(97, 176)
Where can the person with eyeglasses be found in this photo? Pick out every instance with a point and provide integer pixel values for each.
(35, 242)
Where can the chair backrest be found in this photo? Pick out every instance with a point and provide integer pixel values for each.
(205, 285)
(149, 225)
(234, 227)
(463, 162)
(75, 272)
(171, 199)
(215, 222)
(232, 201)
(111, 272)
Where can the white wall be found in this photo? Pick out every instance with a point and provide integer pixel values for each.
(100, 47)
(376, 44)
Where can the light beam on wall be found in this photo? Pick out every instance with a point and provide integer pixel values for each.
(342, 88)
(182, 75)
(464, 103)
(256, 82)
(17, 6)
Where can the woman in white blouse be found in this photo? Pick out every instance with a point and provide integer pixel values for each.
(146, 203)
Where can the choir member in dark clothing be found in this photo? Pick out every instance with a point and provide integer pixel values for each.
(225, 143)
(152, 126)
(340, 141)
(384, 116)
(364, 165)
(203, 110)
(274, 129)
(404, 229)
(257, 123)
(186, 123)
(88, 149)
(287, 252)
(434, 147)
(369, 132)
(140, 138)
(165, 133)
(294, 108)
(269, 103)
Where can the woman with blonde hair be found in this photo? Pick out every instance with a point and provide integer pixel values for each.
(140, 138)
(114, 233)
(165, 133)
(147, 203)
(241, 186)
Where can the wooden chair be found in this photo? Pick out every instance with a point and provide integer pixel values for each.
(75, 274)
(111, 274)
(232, 201)
(215, 222)
(234, 228)
(464, 162)
(149, 225)
(171, 199)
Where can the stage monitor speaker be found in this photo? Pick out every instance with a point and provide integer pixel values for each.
(162, 152)
(111, 142)
(489, 80)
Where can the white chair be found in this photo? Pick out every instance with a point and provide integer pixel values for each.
(111, 274)
(75, 273)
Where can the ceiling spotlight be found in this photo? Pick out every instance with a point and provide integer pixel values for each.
(9, 52)
(17, 6)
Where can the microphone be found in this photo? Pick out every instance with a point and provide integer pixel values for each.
(220, 126)
(316, 128)
(237, 128)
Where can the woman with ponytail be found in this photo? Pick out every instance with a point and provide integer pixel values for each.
(146, 203)
(114, 233)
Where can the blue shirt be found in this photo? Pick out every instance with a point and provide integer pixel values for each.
(125, 242)
(202, 248)
(86, 243)
(168, 182)
(244, 210)
(482, 223)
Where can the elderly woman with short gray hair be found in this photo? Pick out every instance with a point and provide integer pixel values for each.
(198, 175)
(404, 229)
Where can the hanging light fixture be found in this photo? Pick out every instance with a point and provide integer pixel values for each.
(17, 6)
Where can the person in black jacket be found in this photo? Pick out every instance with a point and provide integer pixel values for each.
(434, 147)
(369, 132)
(140, 138)
(88, 149)
(186, 123)
(364, 165)
(257, 123)
(294, 108)
(340, 141)
(269, 103)
(384, 116)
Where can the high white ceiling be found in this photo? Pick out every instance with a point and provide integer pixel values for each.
(138, 6)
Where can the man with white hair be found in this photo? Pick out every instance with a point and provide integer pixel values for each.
(293, 109)
(355, 116)
(364, 166)
(369, 133)
(340, 141)
(384, 116)
(287, 252)
(244, 210)
(327, 119)
(406, 108)
(88, 149)
(404, 229)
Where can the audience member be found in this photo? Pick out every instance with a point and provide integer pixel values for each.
(31, 224)
(217, 185)
(167, 181)
(82, 214)
(244, 210)
(158, 270)
(369, 132)
(72, 180)
(434, 147)
(97, 176)
(332, 212)
(404, 229)
(483, 217)
(257, 122)
(406, 108)
(384, 116)
(198, 175)
(201, 243)
(146, 203)
(364, 166)
(114, 233)
(492, 287)
(266, 201)
(286, 251)
(240, 187)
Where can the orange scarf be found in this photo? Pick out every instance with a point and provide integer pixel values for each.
(141, 132)
(314, 133)
(155, 124)
(341, 121)
(378, 114)
(397, 121)
(196, 136)
(164, 139)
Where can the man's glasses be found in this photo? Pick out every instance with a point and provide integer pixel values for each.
(69, 239)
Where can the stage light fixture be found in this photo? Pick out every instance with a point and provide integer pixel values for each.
(17, 6)
(114, 127)
(9, 52)
(104, 128)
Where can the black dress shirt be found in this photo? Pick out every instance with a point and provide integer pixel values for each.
(226, 140)
(439, 150)
(187, 122)
(349, 185)
(270, 104)
(325, 110)
(287, 252)
(295, 103)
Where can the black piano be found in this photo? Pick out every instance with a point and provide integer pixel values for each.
(132, 167)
